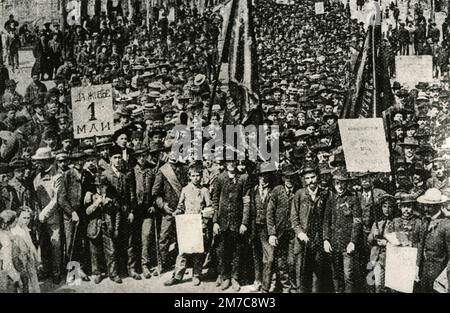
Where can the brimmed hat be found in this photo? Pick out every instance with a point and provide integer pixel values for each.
(199, 79)
(155, 148)
(43, 154)
(380, 195)
(341, 174)
(403, 197)
(409, 142)
(309, 168)
(338, 160)
(432, 196)
(288, 170)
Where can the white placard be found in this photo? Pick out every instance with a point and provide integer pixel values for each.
(400, 268)
(92, 110)
(412, 69)
(189, 233)
(365, 146)
(319, 8)
(171, 15)
(441, 283)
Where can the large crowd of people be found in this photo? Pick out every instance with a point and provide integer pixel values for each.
(109, 203)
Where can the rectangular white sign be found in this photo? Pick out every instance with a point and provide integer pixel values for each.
(189, 233)
(400, 268)
(365, 146)
(92, 110)
(320, 9)
(411, 69)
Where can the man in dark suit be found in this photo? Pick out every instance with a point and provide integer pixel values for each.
(228, 200)
(121, 185)
(255, 212)
(342, 232)
(170, 179)
(55, 49)
(307, 221)
(41, 54)
(280, 230)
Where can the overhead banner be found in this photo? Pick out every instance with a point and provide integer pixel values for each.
(412, 69)
(319, 8)
(92, 110)
(365, 146)
(400, 268)
(189, 233)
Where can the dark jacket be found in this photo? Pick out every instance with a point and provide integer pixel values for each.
(342, 222)
(307, 214)
(70, 197)
(279, 211)
(255, 209)
(227, 201)
(121, 189)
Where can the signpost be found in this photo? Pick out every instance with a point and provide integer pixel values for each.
(92, 110)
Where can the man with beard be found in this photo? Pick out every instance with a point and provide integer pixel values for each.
(307, 220)
(341, 231)
(71, 201)
(228, 219)
(280, 231)
(46, 186)
(170, 179)
(433, 251)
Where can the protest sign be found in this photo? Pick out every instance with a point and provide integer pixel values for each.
(320, 9)
(92, 110)
(400, 268)
(189, 233)
(411, 69)
(441, 283)
(171, 15)
(285, 2)
(365, 146)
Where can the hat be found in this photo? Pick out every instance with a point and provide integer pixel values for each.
(5, 168)
(380, 195)
(309, 168)
(432, 196)
(264, 168)
(76, 155)
(341, 174)
(409, 142)
(43, 154)
(403, 197)
(61, 156)
(199, 79)
(288, 170)
(102, 142)
(114, 150)
(338, 160)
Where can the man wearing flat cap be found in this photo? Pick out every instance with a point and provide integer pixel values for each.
(342, 232)
(122, 189)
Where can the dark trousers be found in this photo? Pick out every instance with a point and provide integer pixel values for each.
(309, 268)
(262, 253)
(76, 245)
(166, 239)
(280, 265)
(229, 254)
(103, 253)
(133, 232)
(51, 250)
(148, 257)
(343, 271)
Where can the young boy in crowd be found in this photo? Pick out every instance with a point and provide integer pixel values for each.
(194, 199)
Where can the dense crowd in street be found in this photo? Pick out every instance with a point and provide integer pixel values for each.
(109, 203)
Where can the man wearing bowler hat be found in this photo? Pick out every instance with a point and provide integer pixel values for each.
(280, 231)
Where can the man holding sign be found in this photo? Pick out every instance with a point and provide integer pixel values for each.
(194, 199)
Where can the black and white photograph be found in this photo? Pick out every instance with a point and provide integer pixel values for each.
(219, 147)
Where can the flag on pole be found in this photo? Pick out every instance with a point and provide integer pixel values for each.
(370, 91)
(240, 54)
